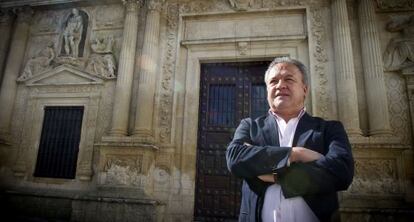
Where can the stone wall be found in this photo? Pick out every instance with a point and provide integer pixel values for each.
(135, 65)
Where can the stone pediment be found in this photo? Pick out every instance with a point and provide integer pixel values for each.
(63, 75)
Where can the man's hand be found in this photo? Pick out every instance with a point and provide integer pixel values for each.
(301, 154)
(267, 178)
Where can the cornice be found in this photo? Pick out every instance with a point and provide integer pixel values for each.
(34, 3)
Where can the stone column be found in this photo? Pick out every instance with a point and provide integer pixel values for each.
(149, 62)
(12, 69)
(123, 88)
(379, 121)
(344, 67)
(6, 21)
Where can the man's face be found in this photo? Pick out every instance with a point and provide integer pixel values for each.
(286, 91)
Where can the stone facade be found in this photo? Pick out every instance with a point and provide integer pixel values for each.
(135, 67)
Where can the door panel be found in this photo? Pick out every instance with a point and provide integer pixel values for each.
(228, 93)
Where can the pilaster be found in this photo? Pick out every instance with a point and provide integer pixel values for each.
(12, 69)
(149, 60)
(123, 88)
(379, 121)
(6, 21)
(344, 66)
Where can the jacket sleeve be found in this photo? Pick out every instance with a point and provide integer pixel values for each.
(249, 161)
(333, 172)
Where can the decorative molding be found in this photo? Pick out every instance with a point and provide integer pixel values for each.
(132, 5)
(123, 170)
(14, 3)
(395, 5)
(242, 47)
(284, 3)
(398, 93)
(155, 4)
(376, 177)
(201, 6)
(39, 98)
(161, 175)
(167, 92)
(318, 32)
(63, 75)
(241, 5)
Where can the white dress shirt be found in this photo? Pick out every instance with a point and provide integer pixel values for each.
(276, 207)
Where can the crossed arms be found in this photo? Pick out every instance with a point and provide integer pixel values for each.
(308, 173)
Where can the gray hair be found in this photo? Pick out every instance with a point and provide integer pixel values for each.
(297, 63)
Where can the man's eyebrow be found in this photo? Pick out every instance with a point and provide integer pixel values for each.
(289, 75)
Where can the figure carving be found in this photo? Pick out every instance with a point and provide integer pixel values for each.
(102, 61)
(73, 33)
(39, 63)
(399, 53)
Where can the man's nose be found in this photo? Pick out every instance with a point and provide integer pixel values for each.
(281, 84)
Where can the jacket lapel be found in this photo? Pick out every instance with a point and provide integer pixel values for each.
(271, 131)
(303, 131)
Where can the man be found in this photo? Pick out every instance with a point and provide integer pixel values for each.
(292, 164)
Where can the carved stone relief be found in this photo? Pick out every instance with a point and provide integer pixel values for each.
(395, 5)
(319, 52)
(43, 61)
(242, 47)
(202, 6)
(241, 5)
(399, 53)
(398, 107)
(166, 96)
(161, 175)
(102, 61)
(279, 3)
(155, 4)
(123, 170)
(375, 177)
(238, 5)
(63, 37)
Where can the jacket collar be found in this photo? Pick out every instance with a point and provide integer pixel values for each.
(304, 130)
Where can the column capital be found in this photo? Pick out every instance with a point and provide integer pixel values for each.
(155, 4)
(24, 14)
(132, 5)
(6, 16)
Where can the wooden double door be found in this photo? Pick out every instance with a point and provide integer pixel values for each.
(229, 92)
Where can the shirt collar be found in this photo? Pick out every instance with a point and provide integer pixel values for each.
(301, 113)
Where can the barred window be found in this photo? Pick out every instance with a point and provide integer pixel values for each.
(59, 142)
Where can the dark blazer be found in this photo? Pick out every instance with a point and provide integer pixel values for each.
(317, 182)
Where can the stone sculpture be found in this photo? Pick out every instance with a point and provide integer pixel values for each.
(399, 53)
(72, 33)
(39, 63)
(102, 61)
